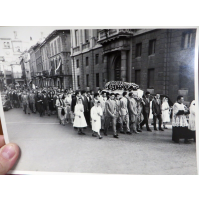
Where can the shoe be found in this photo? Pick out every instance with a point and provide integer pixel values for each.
(100, 137)
(149, 130)
(115, 136)
(122, 132)
(83, 133)
(128, 132)
(94, 135)
(165, 127)
(155, 129)
(102, 129)
(79, 133)
(161, 129)
(138, 130)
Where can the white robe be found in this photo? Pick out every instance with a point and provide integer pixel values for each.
(96, 125)
(165, 112)
(192, 125)
(179, 120)
(79, 122)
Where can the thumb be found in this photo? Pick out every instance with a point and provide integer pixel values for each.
(8, 156)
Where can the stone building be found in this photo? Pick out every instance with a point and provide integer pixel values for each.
(50, 61)
(158, 60)
(87, 59)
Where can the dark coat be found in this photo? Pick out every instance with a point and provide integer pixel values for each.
(146, 106)
(156, 108)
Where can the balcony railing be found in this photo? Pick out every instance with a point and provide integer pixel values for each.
(86, 45)
(76, 49)
(105, 33)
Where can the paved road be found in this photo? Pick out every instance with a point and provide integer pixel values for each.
(48, 146)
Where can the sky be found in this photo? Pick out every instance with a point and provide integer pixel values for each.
(24, 33)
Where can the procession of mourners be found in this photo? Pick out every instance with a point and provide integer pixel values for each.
(108, 113)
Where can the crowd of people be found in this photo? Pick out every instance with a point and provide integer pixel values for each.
(126, 113)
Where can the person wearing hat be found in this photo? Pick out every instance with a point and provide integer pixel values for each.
(96, 114)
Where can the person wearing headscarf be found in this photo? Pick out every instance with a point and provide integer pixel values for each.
(79, 121)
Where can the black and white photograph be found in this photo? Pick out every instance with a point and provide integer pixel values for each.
(104, 101)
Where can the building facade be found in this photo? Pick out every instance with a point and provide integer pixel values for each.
(158, 60)
(50, 61)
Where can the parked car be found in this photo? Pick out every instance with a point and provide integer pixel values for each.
(6, 103)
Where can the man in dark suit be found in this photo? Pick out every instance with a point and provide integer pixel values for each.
(146, 110)
(157, 113)
(86, 107)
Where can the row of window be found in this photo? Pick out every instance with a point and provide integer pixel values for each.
(150, 78)
(87, 80)
(186, 43)
(152, 48)
(84, 36)
(55, 46)
(87, 61)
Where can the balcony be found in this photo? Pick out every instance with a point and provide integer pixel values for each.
(76, 49)
(85, 45)
(105, 34)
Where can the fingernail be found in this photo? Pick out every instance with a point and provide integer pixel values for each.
(8, 152)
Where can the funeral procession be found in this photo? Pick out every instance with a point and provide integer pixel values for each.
(102, 85)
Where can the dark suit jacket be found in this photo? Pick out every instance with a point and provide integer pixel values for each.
(85, 103)
(73, 103)
(156, 108)
(146, 106)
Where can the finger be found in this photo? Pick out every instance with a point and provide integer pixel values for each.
(8, 156)
(2, 142)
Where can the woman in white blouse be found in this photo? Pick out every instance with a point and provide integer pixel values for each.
(96, 114)
(79, 121)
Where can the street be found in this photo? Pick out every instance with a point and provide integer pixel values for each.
(48, 146)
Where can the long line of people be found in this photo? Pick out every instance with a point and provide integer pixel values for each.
(126, 113)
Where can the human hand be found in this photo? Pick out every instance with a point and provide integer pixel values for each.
(8, 155)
